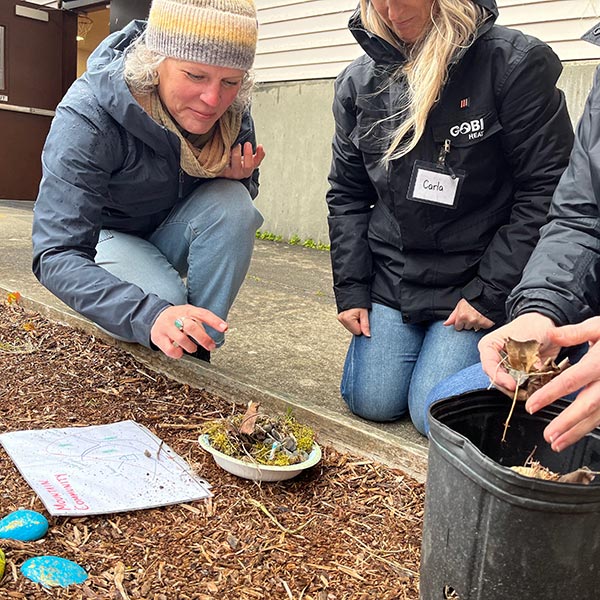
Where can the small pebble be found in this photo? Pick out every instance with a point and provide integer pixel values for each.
(23, 525)
(53, 571)
(289, 443)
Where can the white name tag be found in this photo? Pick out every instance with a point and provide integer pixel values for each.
(434, 184)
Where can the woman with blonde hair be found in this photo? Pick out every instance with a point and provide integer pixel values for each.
(450, 138)
(144, 221)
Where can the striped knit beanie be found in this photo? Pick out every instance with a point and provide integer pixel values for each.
(213, 32)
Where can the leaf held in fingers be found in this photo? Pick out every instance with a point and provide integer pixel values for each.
(523, 362)
(522, 356)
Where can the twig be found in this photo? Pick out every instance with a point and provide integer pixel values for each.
(287, 589)
(118, 579)
(512, 408)
(279, 525)
(27, 348)
(392, 564)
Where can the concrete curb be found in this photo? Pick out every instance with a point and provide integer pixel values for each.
(342, 433)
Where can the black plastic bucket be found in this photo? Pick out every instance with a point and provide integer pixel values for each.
(492, 534)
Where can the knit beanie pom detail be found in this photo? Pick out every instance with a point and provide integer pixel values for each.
(213, 32)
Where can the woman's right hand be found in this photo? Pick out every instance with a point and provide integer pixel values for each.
(582, 414)
(356, 321)
(173, 339)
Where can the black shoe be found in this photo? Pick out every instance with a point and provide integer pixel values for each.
(201, 354)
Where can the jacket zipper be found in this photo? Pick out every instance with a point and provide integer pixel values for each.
(444, 151)
(180, 184)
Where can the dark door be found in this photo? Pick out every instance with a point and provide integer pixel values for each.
(124, 11)
(38, 62)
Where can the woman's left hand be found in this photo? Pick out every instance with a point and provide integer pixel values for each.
(464, 316)
(242, 164)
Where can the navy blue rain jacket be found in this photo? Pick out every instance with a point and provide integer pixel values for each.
(107, 165)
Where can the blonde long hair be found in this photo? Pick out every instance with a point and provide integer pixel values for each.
(453, 26)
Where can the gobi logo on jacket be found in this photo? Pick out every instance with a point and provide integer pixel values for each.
(474, 129)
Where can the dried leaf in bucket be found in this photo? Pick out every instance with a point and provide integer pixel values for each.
(523, 362)
(535, 470)
(582, 475)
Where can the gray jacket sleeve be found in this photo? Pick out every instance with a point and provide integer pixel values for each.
(562, 276)
(82, 150)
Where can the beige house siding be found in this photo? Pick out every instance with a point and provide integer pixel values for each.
(308, 39)
(560, 23)
(303, 39)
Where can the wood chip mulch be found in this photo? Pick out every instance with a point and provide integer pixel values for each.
(348, 528)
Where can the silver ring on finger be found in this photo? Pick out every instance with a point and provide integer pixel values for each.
(179, 323)
(175, 344)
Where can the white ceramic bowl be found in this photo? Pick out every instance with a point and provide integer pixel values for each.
(258, 472)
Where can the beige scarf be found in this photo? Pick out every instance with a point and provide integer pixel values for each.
(202, 157)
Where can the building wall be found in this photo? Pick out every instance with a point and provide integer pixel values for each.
(308, 39)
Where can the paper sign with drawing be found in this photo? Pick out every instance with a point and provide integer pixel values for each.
(102, 469)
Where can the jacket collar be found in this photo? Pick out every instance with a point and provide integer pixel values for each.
(383, 52)
(105, 77)
(593, 35)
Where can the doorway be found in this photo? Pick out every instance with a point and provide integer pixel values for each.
(38, 56)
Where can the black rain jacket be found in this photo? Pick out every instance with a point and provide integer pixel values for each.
(562, 277)
(509, 130)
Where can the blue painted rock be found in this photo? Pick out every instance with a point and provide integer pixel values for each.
(53, 571)
(23, 525)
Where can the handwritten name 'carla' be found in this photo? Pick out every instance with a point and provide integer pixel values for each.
(435, 187)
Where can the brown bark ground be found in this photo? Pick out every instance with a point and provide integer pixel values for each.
(348, 528)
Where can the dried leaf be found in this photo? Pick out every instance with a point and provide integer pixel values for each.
(537, 471)
(582, 475)
(523, 363)
(13, 297)
(549, 371)
(523, 356)
(249, 420)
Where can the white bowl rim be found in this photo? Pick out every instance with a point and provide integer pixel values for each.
(313, 458)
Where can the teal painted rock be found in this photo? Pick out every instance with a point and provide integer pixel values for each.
(53, 571)
(23, 525)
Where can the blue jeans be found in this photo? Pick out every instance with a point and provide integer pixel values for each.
(471, 379)
(198, 255)
(394, 370)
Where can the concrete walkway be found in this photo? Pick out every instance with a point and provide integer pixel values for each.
(284, 346)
